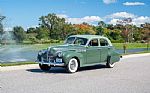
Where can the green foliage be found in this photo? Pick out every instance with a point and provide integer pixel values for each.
(42, 33)
(53, 29)
(54, 24)
(19, 34)
(31, 30)
(1, 27)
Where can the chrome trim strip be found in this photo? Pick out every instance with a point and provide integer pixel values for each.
(50, 63)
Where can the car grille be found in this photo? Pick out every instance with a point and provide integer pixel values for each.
(46, 57)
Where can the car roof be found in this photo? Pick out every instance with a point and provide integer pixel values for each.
(88, 36)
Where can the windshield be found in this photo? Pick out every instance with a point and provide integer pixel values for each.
(76, 40)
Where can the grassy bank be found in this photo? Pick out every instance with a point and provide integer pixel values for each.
(16, 63)
(130, 45)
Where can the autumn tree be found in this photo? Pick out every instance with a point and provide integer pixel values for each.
(145, 31)
(84, 29)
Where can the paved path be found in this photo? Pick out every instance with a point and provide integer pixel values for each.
(130, 75)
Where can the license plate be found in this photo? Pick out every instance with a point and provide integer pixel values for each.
(58, 60)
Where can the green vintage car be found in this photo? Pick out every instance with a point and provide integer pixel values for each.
(79, 51)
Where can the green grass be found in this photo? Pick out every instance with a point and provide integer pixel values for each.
(137, 53)
(130, 45)
(16, 63)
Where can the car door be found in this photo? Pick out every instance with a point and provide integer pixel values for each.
(93, 52)
(104, 49)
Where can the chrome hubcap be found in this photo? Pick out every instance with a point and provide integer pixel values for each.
(73, 65)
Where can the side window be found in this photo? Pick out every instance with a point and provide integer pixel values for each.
(93, 42)
(103, 42)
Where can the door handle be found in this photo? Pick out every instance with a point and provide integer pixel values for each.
(99, 49)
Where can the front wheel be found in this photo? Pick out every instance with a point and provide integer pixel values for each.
(72, 65)
(110, 64)
(44, 67)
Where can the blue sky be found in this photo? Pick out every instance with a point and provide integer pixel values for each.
(27, 12)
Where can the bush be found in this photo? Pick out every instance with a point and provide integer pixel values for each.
(117, 41)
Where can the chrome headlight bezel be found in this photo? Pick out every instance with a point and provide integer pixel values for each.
(41, 52)
(59, 54)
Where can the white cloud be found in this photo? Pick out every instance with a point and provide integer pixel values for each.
(113, 21)
(109, 1)
(140, 20)
(133, 3)
(88, 19)
(62, 15)
(135, 21)
(110, 19)
(121, 15)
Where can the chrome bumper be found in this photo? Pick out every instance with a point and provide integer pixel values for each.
(51, 63)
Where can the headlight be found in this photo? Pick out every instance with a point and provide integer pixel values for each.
(41, 52)
(59, 54)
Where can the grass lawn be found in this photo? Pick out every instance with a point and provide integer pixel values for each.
(130, 45)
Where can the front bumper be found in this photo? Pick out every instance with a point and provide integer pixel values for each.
(51, 63)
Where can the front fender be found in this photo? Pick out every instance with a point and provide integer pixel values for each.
(70, 54)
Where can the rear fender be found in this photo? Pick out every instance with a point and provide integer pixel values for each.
(115, 57)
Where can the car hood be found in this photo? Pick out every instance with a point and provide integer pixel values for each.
(66, 47)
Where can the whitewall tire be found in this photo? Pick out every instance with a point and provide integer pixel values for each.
(110, 64)
(72, 65)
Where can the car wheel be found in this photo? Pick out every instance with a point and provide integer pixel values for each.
(44, 67)
(72, 65)
(110, 64)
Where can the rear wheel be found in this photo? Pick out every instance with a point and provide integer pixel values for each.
(109, 63)
(44, 67)
(72, 65)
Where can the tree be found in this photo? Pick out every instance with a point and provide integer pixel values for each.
(42, 33)
(100, 28)
(19, 34)
(110, 26)
(84, 29)
(54, 24)
(31, 30)
(1, 27)
(145, 31)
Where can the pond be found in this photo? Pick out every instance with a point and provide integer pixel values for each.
(22, 53)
